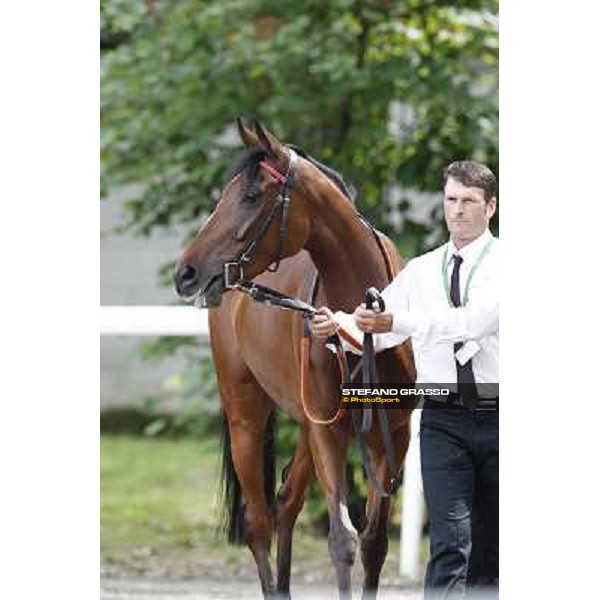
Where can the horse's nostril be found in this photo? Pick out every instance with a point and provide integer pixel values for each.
(186, 279)
(187, 274)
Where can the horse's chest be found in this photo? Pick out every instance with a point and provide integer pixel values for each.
(264, 337)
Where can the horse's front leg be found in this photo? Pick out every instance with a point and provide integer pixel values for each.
(328, 449)
(247, 443)
(290, 500)
(374, 538)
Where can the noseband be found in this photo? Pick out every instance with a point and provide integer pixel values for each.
(233, 271)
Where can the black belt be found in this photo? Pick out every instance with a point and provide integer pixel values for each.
(454, 399)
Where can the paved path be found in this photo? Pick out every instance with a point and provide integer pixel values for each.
(129, 588)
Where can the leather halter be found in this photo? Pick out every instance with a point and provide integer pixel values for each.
(233, 271)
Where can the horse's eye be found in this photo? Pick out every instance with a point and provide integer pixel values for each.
(252, 196)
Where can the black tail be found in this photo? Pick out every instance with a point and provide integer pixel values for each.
(231, 492)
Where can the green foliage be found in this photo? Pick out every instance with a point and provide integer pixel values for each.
(120, 16)
(157, 349)
(195, 386)
(321, 75)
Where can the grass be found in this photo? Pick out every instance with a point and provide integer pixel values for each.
(159, 514)
(158, 497)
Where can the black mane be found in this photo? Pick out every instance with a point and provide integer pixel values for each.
(251, 159)
(331, 174)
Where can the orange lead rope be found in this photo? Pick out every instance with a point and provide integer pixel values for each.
(304, 376)
(305, 354)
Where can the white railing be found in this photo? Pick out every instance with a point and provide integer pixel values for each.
(153, 320)
(188, 320)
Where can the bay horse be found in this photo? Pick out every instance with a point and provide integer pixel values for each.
(256, 352)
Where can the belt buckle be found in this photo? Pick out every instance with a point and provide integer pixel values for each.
(487, 404)
(228, 280)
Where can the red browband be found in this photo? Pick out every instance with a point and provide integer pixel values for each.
(273, 171)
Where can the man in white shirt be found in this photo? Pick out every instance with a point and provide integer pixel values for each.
(446, 301)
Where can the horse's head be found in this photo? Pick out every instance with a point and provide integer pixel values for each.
(259, 219)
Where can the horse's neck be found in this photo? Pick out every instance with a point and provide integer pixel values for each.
(344, 251)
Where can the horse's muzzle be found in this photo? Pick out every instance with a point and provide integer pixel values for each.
(187, 282)
(211, 295)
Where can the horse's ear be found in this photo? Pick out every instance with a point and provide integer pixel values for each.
(246, 135)
(268, 141)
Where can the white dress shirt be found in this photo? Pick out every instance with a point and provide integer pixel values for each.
(418, 300)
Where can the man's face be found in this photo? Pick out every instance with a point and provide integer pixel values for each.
(466, 211)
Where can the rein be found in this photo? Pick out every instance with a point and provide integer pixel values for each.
(234, 279)
(370, 375)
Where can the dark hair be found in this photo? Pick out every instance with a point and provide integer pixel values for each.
(251, 159)
(472, 174)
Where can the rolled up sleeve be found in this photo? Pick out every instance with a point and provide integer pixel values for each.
(450, 324)
(395, 296)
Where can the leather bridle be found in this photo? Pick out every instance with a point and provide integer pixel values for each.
(233, 271)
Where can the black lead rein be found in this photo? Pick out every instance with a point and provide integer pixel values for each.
(271, 297)
(370, 378)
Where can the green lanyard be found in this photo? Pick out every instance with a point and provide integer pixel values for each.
(445, 273)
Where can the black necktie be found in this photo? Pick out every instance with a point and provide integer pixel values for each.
(466, 380)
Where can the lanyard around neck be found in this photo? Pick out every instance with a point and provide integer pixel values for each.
(445, 273)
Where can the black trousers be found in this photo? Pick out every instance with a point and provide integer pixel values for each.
(459, 463)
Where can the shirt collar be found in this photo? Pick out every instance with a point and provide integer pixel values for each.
(471, 251)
